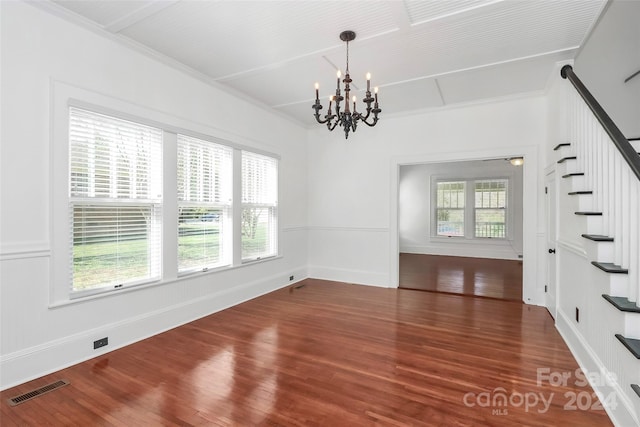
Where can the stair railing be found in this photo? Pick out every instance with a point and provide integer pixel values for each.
(612, 171)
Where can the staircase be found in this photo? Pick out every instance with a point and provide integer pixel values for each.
(599, 202)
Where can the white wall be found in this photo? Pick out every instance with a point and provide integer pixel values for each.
(39, 51)
(415, 209)
(611, 54)
(353, 184)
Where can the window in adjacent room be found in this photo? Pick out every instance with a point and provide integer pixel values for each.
(490, 208)
(450, 208)
(204, 201)
(259, 206)
(115, 201)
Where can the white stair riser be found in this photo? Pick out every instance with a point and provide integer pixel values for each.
(618, 284)
(568, 166)
(609, 283)
(594, 224)
(577, 183)
(585, 202)
(621, 322)
(631, 325)
(564, 151)
(599, 251)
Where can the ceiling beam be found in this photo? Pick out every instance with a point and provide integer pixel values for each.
(143, 12)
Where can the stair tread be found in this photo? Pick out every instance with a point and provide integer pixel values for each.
(633, 345)
(575, 193)
(564, 159)
(587, 213)
(559, 146)
(569, 175)
(598, 237)
(636, 388)
(610, 267)
(622, 304)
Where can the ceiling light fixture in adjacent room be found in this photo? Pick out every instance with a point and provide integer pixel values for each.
(517, 161)
(347, 118)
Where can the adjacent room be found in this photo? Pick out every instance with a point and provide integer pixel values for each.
(460, 226)
(319, 213)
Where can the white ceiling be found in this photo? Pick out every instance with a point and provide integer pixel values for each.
(421, 54)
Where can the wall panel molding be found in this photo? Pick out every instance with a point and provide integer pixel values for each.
(24, 250)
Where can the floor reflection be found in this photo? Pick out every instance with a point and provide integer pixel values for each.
(491, 278)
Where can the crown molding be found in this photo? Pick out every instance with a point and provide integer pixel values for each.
(87, 24)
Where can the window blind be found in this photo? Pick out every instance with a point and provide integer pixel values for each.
(115, 195)
(204, 199)
(450, 203)
(490, 208)
(259, 206)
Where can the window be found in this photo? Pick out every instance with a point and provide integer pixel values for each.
(259, 206)
(487, 219)
(490, 208)
(115, 194)
(450, 202)
(141, 200)
(204, 201)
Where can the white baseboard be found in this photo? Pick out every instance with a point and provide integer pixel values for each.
(34, 362)
(492, 252)
(358, 277)
(622, 412)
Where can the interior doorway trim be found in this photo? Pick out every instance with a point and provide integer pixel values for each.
(532, 293)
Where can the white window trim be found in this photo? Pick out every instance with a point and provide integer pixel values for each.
(63, 96)
(469, 214)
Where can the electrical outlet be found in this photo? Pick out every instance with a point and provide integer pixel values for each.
(290, 278)
(101, 342)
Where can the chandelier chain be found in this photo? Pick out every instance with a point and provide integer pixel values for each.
(347, 70)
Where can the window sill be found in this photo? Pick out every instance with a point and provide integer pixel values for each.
(140, 287)
(472, 240)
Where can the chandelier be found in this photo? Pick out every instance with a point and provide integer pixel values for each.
(344, 116)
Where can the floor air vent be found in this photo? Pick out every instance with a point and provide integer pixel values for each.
(37, 392)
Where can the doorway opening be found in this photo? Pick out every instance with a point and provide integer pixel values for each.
(460, 227)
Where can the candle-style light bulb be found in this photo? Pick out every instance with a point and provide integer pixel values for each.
(354, 103)
(368, 82)
(375, 89)
(339, 74)
(317, 87)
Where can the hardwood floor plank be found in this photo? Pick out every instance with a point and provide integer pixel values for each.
(327, 354)
(483, 277)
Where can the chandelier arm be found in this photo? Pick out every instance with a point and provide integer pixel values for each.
(366, 116)
(375, 120)
(317, 116)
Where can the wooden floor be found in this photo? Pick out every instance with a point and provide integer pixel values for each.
(329, 354)
(493, 278)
